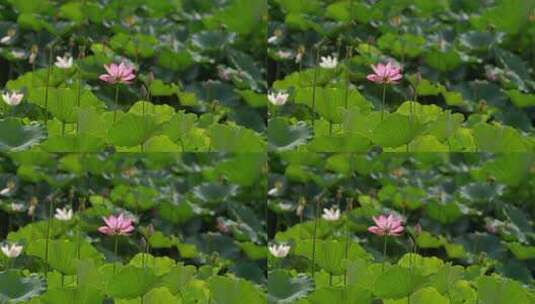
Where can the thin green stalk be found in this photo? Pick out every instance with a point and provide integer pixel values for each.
(346, 255)
(78, 96)
(48, 228)
(351, 11)
(316, 223)
(314, 84)
(412, 107)
(33, 70)
(78, 234)
(413, 253)
(383, 102)
(115, 250)
(149, 96)
(143, 264)
(384, 253)
(7, 263)
(143, 259)
(410, 122)
(116, 102)
(144, 121)
(49, 71)
(349, 54)
(79, 227)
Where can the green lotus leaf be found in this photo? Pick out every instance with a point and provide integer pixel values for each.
(73, 143)
(72, 296)
(63, 254)
(494, 290)
(327, 101)
(132, 130)
(396, 282)
(63, 103)
(233, 139)
(283, 288)
(131, 282)
(15, 136)
(283, 136)
(227, 291)
(395, 130)
(15, 288)
(160, 295)
(330, 254)
(428, 295)
(497, 138)
(350, 295)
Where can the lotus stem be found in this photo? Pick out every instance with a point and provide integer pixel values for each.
(48, 227)
(79, 93)
(351, 11)
(116, 103)
(314, 84)
(348, 56)
(49, 71)
(383, 103)
(348, 208)
(144, 245)
(411, 111)
(316, 222)
(115, 250)
(384, 252)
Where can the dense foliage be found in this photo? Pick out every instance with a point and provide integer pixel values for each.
(468, 222)
(199, 228)
(199, 68)
(467, 68)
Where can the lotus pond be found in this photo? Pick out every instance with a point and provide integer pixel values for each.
(401, 228)
(134, 228)
(459, 77)
(193, 77)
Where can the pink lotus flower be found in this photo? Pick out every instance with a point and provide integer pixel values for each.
(387, 225)
(388, 73)
(117, 225)
(118, 73)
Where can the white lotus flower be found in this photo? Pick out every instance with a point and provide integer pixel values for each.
(278, 99)
(32, 57)
(5, 39)
(11, 251)
(17, 207)
(284, 54)
(299, 210)
(329, 62)
(63, 214)
(332, 214)
(272, 39)
(298, 57)
(18, 54)
(13, 98)
(64, 62)
(279, 251)
(273, 191)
